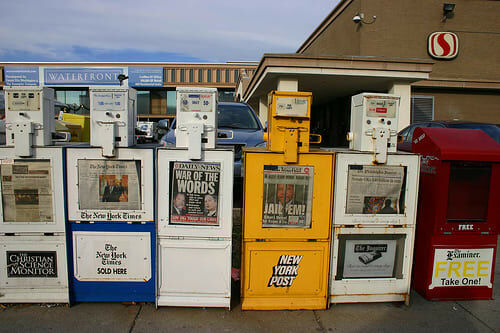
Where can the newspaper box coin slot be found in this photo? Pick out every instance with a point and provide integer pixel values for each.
(196, 119)
(113, 118)
(287, 203)
(374, 124)
(458, 213)
(29, 118)
(195, 185)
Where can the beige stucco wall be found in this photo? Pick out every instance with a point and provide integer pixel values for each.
(466, 105)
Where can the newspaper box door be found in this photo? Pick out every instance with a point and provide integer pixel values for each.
(195, 197)
(32, 191)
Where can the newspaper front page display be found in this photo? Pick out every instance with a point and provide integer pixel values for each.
(369, 258)
(109, 185)
(194, 196)
(374, 189)
(287, 196)
(27, 191)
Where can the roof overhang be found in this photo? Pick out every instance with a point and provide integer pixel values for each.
(328, 77)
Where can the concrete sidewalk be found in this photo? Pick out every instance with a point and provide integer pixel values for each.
(421, 315)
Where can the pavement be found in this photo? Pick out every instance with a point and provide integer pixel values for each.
(420, 315)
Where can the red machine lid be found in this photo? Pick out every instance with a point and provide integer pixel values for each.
(456, 144)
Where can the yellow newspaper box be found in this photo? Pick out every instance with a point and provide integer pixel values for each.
(286, 213)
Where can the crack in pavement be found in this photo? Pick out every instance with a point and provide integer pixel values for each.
(135, 319)
(318, 321)
(473, 315)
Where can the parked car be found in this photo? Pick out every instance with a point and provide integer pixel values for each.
(406, 134)
(162, 128)
(237, 126)
(146, 131)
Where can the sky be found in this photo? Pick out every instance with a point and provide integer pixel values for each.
(155, 31)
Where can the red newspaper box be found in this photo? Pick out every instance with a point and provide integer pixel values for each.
(458, 213)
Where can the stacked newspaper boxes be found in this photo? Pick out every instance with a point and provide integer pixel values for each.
(195, 191)
(458, 214)
(32, 219)
(286, 213)
(110, 189)
(374, 208)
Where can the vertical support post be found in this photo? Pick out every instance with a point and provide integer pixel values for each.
(404, 91)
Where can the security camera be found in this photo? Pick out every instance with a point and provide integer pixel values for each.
(356, 19)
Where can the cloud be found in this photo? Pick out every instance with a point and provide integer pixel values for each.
(70, 30)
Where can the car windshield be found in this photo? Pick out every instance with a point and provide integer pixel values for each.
(490, 129)
(233, 116)
(236, 116)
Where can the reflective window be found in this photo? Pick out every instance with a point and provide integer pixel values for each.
(74, 101)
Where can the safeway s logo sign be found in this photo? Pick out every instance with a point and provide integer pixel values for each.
(443, 45)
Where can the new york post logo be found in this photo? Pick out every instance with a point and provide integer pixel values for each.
(285, 272)
(443, 45)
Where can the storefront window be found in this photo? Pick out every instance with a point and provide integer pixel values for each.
(226, 96)
(2, 103)
(171, 102)
(77, 101)
(200, 75)
(143, 102)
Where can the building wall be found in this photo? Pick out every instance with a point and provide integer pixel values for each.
(341, 37)
(465, 88)
(465, 105)
(403, 26)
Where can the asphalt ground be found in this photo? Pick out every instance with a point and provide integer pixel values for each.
(420, 315)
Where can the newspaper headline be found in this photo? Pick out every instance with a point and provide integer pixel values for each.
(287, 196)
(194, 196)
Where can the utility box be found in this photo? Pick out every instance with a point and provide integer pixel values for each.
(286, 213)
(458, 213)
(195, 195)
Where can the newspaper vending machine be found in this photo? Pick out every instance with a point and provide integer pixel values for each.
(458, 214)
(32, 216)
(374, 207)
(195, 193)
(286, 212)
(110, 190)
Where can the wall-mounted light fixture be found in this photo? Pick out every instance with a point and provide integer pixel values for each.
(448, 9)
(359, 18)
(121, 78)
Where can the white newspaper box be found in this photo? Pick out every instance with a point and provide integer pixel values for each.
(113, 117)
(373, 227)
(32, 205)
(195, 201)
(194, 228)
(374, 124)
